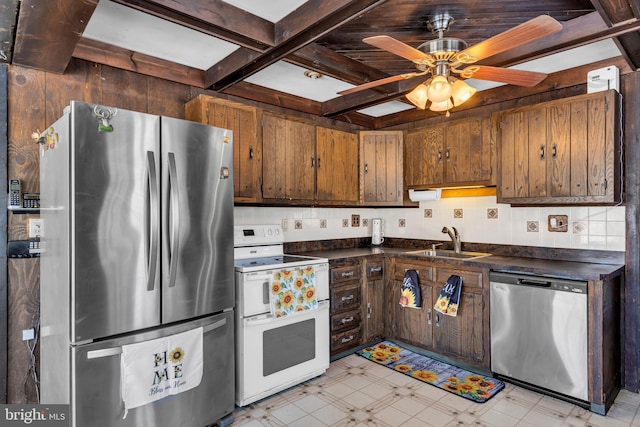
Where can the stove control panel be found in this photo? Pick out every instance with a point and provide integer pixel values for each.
(254, 235)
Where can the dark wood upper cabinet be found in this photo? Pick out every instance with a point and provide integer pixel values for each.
(564, 152)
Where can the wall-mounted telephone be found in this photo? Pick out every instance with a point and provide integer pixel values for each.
(19, 200)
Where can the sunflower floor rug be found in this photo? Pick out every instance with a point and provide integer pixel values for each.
(442, 375)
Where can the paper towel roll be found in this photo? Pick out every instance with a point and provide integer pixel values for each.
(423, 195)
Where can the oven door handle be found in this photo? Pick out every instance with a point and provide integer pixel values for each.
(271, 318)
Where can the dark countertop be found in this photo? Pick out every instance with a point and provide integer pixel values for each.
(540, 267)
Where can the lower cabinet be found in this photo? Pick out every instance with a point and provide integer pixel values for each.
(373, 299)
(345, 295)
(463, 337)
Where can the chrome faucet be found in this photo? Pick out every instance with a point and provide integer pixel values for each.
(455, 238)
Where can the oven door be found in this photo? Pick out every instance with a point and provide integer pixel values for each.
(273, 354)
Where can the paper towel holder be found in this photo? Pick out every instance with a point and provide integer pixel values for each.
(424, 195)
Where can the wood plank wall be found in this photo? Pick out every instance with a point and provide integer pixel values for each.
(36, 99)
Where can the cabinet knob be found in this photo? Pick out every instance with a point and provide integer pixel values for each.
(542, 152)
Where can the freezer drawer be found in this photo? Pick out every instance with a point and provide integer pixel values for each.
(96, 393)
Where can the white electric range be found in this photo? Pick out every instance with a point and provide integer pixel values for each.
(275, 353)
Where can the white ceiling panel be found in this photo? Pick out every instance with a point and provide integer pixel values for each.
(288, 78)
(130, 29)
(383, 109)
(272, 10)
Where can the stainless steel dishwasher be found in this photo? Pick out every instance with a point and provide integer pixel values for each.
(539, 332)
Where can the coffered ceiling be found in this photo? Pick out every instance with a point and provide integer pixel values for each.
(298, 54)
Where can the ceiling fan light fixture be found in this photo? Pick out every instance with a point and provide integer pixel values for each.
(445, 105)
(439, 89)
(418, 96)
(461, 92)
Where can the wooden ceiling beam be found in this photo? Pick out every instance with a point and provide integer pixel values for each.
(614, 12)
(576, 32)
(326, 61)
(48, 32)
(212, 17)
(102, 53)
(272, 97)
(327, 16)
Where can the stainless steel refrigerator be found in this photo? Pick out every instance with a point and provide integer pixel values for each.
(137, 245)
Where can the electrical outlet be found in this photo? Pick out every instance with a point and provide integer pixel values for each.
(355, 220)
(35, 228)
(558, 223)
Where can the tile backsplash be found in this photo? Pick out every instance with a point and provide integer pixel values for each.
(478, 219)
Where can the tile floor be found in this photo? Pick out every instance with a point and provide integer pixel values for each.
(358, 392)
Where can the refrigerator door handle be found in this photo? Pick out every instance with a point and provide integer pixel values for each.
(152, 228)
(220, 323)
(173, 220)
(105, 352)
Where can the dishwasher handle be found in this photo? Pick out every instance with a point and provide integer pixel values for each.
(538, 283)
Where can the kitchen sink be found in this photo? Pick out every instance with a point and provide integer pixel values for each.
(447, 253)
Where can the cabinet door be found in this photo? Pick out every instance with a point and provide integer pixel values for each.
(245, 150)
(374, 310)
(242, 120)
(336, 165)
(381, 167)
(467, 153)
(412, 325)
(461, 336)
(288, 159)
(423, 154)
(573, 152)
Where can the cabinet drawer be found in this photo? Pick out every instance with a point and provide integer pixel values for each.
(345, 274)
(469, 278)
(345, 297)
(343, 321)
(345, 340)
(375, 270)
(425, 272)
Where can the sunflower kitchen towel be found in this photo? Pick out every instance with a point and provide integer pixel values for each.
(449, 299)
(292, 291)
(410, 295)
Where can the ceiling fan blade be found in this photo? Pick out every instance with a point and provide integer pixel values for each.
(509, 76)
(380, 82)
(531, 30)
(396, 46)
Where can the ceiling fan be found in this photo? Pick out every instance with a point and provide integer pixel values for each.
(439, 59)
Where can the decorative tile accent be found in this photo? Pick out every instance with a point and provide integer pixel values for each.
(428, 213)
(402, 222)
(579, 227)
(323, 223)
(298, 224)
(365, 222)
(492, 213)
(533, 226)
(458, 213)
(345, 222)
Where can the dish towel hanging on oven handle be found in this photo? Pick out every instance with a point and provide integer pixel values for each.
(292, 290)
(449, 299)
(410, 295)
